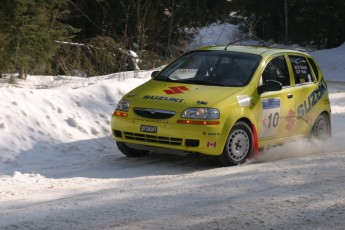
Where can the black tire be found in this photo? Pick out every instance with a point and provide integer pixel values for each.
(238, 146)
(130, 152)
(322, 127)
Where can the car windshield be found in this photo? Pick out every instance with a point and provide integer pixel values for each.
(220, 68)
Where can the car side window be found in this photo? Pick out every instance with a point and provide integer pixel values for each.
(301, 70)
(277, 70)
(313, 65)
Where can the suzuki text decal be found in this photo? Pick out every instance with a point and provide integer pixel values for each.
(176, 89)
(312, 99)
(160, 98)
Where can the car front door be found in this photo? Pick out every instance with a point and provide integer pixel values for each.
(276, 109)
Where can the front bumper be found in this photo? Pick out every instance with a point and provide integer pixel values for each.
(204, 139)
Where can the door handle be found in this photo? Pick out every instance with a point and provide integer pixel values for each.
(290, 95)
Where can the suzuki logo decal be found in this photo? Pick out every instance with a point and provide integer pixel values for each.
(176, 90)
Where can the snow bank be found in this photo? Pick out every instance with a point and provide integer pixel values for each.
(332, 63)
(215, 34)
(73, 109)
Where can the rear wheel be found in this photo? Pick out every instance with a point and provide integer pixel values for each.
(322, 127)
(130, 152)
(238, 146)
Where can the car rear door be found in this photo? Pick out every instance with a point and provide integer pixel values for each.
(307, 93)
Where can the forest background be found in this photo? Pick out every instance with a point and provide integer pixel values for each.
(96, 37)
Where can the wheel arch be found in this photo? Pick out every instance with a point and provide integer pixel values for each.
(248, 117)
(255, 136)
(234, 149)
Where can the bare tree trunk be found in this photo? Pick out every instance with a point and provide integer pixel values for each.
(286, 21)
(142, 14)
(22, 73)
(171, 28)
(125, 32)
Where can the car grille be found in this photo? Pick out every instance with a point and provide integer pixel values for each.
(153, 138)
(153, 113)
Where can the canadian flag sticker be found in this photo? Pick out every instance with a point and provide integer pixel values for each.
(211, 144)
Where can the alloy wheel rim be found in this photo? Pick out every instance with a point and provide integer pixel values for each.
(321, 127)
(238, 145)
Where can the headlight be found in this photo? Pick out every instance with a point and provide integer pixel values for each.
(201, 113)
(123, 105)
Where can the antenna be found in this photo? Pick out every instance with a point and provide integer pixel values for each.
(230, 43)
(227, 45)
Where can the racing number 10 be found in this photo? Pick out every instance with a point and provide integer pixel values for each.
(270, 115)
(273, 121)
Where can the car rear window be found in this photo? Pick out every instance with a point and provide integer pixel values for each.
(315, 69)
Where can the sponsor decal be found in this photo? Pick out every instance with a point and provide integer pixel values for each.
(210, 134)
(211, 144)
(310, 119)
(176, 90)
(271, 103)
(311, 100)
(290, 120)
(202, 102)
(244, 100)
(151, 120)
(162, 98)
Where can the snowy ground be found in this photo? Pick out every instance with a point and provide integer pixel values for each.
(60, 168)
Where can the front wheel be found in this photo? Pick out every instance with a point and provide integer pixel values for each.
(130, 152)
(238, 146)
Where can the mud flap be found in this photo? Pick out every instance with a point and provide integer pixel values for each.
(255, 151)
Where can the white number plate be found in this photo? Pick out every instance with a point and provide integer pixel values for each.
(148, 129)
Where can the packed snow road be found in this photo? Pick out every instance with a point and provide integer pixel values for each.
(175, 193)
(88, 184)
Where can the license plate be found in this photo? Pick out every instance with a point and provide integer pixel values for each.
(148, 129)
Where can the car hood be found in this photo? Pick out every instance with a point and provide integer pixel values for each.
(171, 96)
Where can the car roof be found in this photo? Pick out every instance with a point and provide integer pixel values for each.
(258, 50)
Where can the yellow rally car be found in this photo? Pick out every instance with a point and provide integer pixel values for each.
(226, 101)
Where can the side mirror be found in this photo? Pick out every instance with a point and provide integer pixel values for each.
(154, 74)
(270, 85)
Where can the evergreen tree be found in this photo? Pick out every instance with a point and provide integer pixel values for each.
(30, 28)
(318, 22)
(156, 25)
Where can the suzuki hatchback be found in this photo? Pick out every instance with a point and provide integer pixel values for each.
(225, 101)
